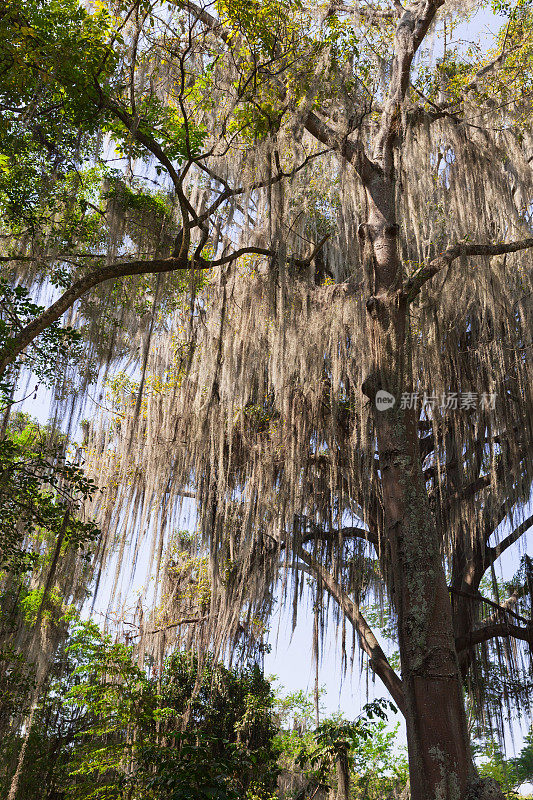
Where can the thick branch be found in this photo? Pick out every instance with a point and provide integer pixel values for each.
(410, 33)
(211, 22)
(505, 607)
(414, 284)
(492, 631)
(369, 13)
(318, 534)
(112, 272)
(492, 553)
(353, 152)
(368, 642)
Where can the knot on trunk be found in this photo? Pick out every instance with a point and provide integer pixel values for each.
(371, 384)
(372, 306)
(484, 789)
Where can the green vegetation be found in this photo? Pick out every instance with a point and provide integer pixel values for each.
(108, 728)
(41, 493)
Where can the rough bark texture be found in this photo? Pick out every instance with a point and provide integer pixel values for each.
(484, 789)
(343, 778)
(440, 764)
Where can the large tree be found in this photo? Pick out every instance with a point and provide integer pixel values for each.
(365, 209)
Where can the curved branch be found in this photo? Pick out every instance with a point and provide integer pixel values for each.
(143, 267)
(367, 640)
(414, 284)
(353, 152)
(317, 533)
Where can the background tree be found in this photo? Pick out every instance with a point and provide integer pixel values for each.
(108, 728)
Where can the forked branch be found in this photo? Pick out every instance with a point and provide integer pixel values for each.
(353, 152)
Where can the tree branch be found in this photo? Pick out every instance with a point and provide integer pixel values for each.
(228, 192)
(492, 631)
(154, 266)
(316, 533)
(142, 267)
(492, 553)
(132, 125)
(505, 608)
(367, 640)
(410, 32)
(186, 621)
(414, 284)
(478, 598)
(369, 13)
(353, 152)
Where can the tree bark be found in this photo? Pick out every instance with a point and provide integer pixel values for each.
(440, 764)
(343, 777)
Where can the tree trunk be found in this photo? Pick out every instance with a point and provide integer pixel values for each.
(343, 777)
(440, 764)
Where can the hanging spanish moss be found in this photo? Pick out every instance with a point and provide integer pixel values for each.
(228, 385)
(252, 400)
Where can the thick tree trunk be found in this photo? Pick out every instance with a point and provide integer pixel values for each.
(439, 757)
(343, 777)
(440, 763)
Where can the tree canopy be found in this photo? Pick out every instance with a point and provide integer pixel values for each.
(281, 254)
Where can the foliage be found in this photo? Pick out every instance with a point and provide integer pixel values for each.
(56, 343)
(52, 52)
(494, 765)
(511, 772)
(107, 728)
(188, 730)
(338, 739)
(377, 766)
(40, 495)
